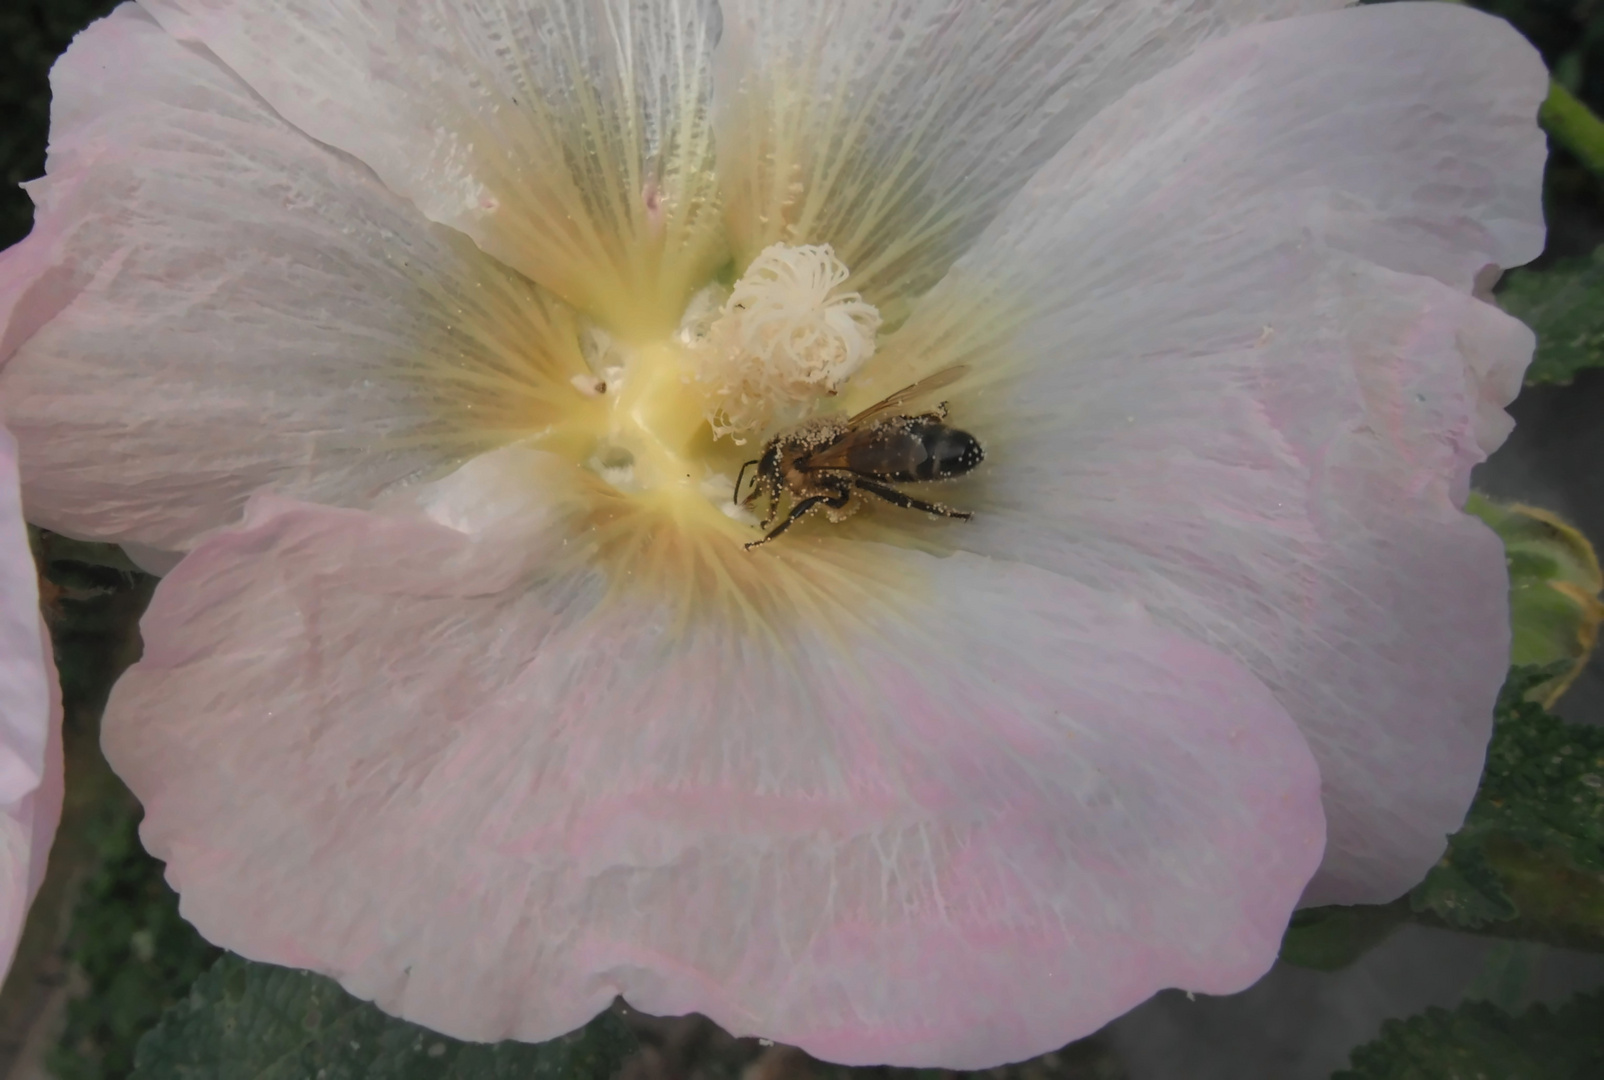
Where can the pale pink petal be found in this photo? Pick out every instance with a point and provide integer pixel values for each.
(212, 303)
(895, 129)
(957, 813)
(568, 138)
(30, 719)
(1253, 383)
(35, 283)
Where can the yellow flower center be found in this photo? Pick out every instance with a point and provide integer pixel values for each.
(679, 413)
(656, 419)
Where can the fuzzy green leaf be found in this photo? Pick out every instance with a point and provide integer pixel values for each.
(1564, 303)
(1541, 798)
(1479, 1039)
(1528, 862)
(1463, 891)
(1544, 783)
(249, 1021)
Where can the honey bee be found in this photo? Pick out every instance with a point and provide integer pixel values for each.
(823, 463)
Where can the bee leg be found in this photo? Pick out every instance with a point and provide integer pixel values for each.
(736, 497)
(802, 507)
(908, 502)
(775, 495)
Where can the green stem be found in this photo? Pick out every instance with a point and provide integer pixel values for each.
(1573, 126)
(1569, 122)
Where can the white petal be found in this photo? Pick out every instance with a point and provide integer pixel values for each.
(1254, 383)
(931, 811)
(225, 305)
(895, 129)
(568, 138)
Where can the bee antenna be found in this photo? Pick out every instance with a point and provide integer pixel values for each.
(736, 497)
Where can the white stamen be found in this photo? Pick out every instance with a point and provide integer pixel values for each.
(786, 337)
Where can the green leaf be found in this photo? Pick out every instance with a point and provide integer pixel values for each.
(1544, 782)
(1564, 303)
(1532, 845)
(1463, 891)
(1480, 1040)
(1528, 863)
(249, 1021)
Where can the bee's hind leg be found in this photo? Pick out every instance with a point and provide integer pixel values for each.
(908, 502)
(802, 507)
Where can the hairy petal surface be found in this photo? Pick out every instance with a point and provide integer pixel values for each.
(894, 130)
(212, 303)
(1255, 382)
(30, 719)
(569, 139)
(958, 813)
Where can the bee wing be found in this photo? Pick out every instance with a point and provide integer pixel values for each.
(837, 454)
(942, 378)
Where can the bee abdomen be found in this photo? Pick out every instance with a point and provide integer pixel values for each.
(952, 453)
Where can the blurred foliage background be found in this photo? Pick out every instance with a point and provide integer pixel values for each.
(107, 960)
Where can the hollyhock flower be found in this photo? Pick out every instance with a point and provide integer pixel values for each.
(433, 335)
(30, 718)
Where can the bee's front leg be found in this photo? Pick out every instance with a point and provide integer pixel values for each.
(775, 493)
(838, 499)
